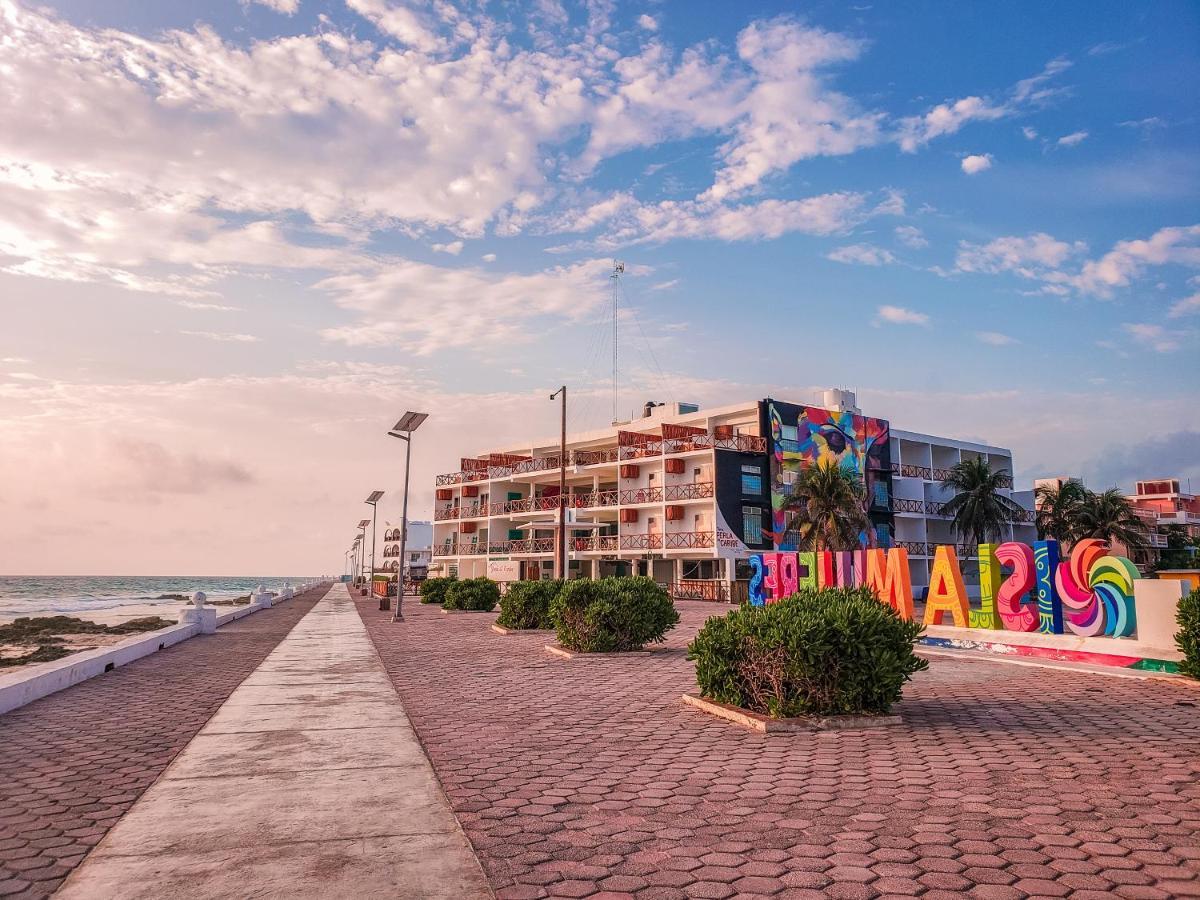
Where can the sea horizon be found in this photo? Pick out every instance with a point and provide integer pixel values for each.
(40, 595)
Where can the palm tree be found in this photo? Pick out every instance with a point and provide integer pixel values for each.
(1108, 516)
(979, 510)
(828, 507)
(1058, 511)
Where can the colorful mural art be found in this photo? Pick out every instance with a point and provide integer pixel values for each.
(801, 436)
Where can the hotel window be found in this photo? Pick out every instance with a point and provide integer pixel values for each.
(752, 480)
(751, 525)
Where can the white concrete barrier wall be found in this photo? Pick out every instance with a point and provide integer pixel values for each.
(20, 688)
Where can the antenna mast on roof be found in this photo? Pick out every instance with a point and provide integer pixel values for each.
(617, 271)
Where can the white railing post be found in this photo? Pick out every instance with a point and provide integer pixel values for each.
(199, 614)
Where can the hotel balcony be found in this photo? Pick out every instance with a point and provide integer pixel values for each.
(935, 473)
(605, 543)
(672, 540)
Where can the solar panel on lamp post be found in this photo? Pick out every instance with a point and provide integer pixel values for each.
(371, 501)
(409, 422)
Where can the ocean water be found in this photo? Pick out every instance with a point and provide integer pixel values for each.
(75, 595)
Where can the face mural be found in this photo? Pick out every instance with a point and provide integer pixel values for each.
(802, 436)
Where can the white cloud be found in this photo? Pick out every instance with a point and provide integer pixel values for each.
(911, 236)
(399, 21)
(1023, 255)
(227, 337)
(995, 338)
(648, 22)
(424, 308)
(209, 307)
(1186, 307)
(453, 248)
(1029, 132)
(287, 7)
(665, 285)
(862, 254)
(1073, 139)
(1035, 89)
(489, 257)
(898, 315)
(979, 162)
(1154, 337)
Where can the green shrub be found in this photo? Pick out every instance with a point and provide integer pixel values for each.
(433, 590)
(612, 614)
(818, 652)
(1188, 638)
(526, 604)
(474, 594)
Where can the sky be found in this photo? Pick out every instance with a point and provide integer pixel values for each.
(238, 239)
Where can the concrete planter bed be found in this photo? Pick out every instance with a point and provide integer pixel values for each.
(767, 725)
(567, 653)
(500, 629)
(452, 611)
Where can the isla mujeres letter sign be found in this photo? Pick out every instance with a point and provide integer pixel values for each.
(1021, 587)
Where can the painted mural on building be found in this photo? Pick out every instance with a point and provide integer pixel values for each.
(801, 436)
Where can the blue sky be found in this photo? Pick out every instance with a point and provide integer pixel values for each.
(236, 237)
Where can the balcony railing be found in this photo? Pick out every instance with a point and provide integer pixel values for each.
(445, 550)
(916, 548)
(689, 540)
(717, 591)
(697, 491)
(525, 545)
(606, 543)
(908, 470)
(595, 457)
(599, 498)
(902, 505)
(642, 495)
(641, 542)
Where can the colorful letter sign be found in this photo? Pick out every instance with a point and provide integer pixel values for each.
(1090, 594)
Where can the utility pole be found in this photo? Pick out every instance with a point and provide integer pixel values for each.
(562, 487)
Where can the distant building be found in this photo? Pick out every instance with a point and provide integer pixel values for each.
(686, 495)
(416, 549)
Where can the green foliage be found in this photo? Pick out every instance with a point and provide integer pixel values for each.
(828, 508)
(979, 510)
(433, 590)
(612, 615)
(472, 594)
(818, 652)
(1188, 638)
(526, 604)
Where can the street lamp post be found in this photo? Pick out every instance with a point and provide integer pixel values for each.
(373, 501)
(362, 546)
(403, 430)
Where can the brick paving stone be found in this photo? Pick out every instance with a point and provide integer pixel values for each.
(571, 777)
(75, 761)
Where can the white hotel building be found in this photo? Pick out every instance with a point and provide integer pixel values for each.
(686, 495)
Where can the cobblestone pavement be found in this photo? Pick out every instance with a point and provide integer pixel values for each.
(72, 763)
(589, 778)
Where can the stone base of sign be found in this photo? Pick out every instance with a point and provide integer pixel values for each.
(566, 653)
(1125, 653)
(767, 725)
(500, 629)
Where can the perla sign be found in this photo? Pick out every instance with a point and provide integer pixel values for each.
(1021, 587)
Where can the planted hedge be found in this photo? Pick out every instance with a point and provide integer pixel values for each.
(472, 594)
(836, 651)
(433, 590)
(1188, 637)
(526, 604)
(612, 614)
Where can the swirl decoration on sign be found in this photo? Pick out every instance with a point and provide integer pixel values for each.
(1097, 590)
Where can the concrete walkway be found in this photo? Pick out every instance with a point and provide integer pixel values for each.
(309, 782)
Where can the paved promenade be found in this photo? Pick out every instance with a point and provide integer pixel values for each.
(72, 763)
(309, 782)
(589, 778)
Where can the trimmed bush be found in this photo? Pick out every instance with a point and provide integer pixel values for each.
(473, 594)
(433, 590)
(612, 614)
(1188, 638)
(526, 604)
(818, 652)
